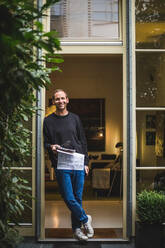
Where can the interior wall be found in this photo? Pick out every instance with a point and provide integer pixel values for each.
(92, 76)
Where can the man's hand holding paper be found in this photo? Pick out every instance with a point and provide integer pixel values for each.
(70, 160)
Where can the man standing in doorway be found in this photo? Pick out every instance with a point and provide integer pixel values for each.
(64, 128)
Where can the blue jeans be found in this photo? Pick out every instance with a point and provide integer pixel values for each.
(71, 183)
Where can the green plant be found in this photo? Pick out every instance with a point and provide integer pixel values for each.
(23, 70)
(12, 204)
(151, 207)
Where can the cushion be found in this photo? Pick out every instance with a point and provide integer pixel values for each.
(105, 156)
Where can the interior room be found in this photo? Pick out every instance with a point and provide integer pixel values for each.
(150, 150)
(95, 88)
(150, 131)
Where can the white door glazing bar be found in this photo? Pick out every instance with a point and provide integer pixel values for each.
(150, 108)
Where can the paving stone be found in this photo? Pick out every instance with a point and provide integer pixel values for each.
(31, 243)
(128, 245)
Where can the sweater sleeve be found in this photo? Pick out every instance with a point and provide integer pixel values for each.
(83, 141)
(47, 139)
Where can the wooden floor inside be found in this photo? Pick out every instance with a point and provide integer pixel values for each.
(100, 233)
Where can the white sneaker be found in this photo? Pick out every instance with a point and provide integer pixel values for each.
(78, 234)
(88, 227)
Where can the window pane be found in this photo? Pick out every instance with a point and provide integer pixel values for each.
(150, 180)
(28, 162)
(150, 138)
(27, 213)
(86, 19)
(150, 89)
(150, 24)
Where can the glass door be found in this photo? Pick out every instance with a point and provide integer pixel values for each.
(95, 89)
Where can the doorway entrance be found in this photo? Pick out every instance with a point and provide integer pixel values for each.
(94, 84)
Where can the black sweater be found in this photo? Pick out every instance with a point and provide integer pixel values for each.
(64, 129)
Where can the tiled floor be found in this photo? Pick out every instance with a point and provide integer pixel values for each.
(105, 214)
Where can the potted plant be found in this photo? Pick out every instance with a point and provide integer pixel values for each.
(150, 218)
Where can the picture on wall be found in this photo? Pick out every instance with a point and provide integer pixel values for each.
(150, 130)
(92, 114)
(150, 121)
(150, 138)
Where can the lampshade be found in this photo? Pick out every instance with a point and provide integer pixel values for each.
(119, 144)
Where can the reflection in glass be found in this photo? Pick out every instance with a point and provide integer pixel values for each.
(86, 19)
(150, 81)
(27, 213)
(150, 24)
(28, 125)
(150, 180)
(150, 127)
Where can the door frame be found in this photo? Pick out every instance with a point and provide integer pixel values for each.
(125, 49)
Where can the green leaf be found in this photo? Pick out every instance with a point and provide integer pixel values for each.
(14, 179)
(55, 60)
(19, 204)
(39, 25)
